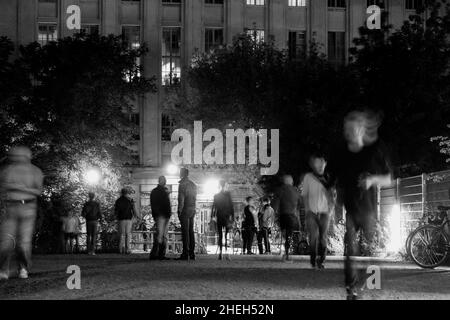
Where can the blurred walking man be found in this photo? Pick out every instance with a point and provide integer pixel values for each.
(91, 212)
(187, 197)
(20, 184)
(360, 167)
(223, 211)
(125, 212)
(287, 204)
(265, 218)
(161, 211)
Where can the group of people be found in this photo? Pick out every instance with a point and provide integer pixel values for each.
(354, 172)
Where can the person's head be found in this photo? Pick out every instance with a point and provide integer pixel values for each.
(250, 201)
(223, 184)
(287, 179)
(361, 128)
(184, 173)
(19, 154)
(162, 181)
(91, 196)
(266, 201)
(125, 192)
(317, 163)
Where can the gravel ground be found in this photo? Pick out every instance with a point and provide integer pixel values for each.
(245, 277)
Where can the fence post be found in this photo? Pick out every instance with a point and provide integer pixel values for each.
(424, 192)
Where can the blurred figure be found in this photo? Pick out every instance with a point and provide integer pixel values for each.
(361, 166)
(265, 218)
(249, 225)
(287, 205)
(91, 213)
(319, 204)
(223, 212)
(161, 211)
(20, 184)
(187, 197)
(70, 228)
(125, 212)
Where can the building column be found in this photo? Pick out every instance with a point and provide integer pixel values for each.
(27, 21)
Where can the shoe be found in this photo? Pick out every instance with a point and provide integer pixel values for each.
(228, 257)
(153, 258)
(320, 266)
(220, 256)
(3, 276)
(182, 258)
(164, 258)
(251, 253)
(351, 294)
(93, 253)
(23, 274)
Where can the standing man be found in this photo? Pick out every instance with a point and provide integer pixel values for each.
(91, 213)
(161, 211)
(287, 204)
(187, 196)
(249, 225)
(265, 217)
(223, 211)
(125, 212)
(20, 184)
(360, 167)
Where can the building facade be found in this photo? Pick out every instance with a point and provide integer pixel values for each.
(174, 30)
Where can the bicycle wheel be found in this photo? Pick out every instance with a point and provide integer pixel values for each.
(428, 247)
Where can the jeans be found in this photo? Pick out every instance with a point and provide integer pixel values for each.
(160, 240)
(317, 227)
(221, 226)
(263, 235)
(187, 234)
(16, 234)
(247, 236)
(91, 230)
(355, 223)
(288, 224)
(125, 235)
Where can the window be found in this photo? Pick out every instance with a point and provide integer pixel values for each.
(297, 3)
(171, 56)
(132, 35)
(336, 48)
(413, 4)
(257, 35)
(380, 3)
(214, 1)
(167, 128)
(255, 2)
(336, 4)
(171, 1)
(90, 29)
(47, 33)
(213, 38)
(297, 44)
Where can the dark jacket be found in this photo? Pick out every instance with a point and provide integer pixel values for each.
(187, 196)
(124, 208)
(160, 202)
(287, 200)
(250, 217)
(223, 205)
(91, 211)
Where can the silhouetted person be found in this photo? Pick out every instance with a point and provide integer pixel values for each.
(265, 218)
(20, 184)
(287, 204)
(187, 196)
(125, 212)
(161, 211)
(361, 165)
(91, 213)
(249, 225)
(223, 211)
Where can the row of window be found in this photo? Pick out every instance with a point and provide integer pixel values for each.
(409, 4)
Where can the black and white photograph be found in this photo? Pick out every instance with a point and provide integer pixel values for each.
(224, 158)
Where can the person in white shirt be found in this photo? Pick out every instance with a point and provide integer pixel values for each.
(318, 200)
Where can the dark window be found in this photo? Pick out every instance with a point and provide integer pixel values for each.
(413, 4)
(90, 29)
(336, 48)
(47, 33)
(214, 1)
(380, 3)
(171, 1)
(167, 127)
(297, 44)
(336, 4)
(171, 56)
(213, 38)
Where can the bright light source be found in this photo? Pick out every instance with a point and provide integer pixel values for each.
(92, 176)
(211, 187)
(395, 241)
(172, 169)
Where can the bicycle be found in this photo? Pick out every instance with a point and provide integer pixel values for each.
(429, 245)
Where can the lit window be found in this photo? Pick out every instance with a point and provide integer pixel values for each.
(132, 36)
(255, 2)
(413, 4)
(171, 56)
(297, 44)
(336, 48)
(47, 33)
(297, 3)
(380, 3)
(336, 4)
(167, 127)
(213, 38)
(257, 35)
